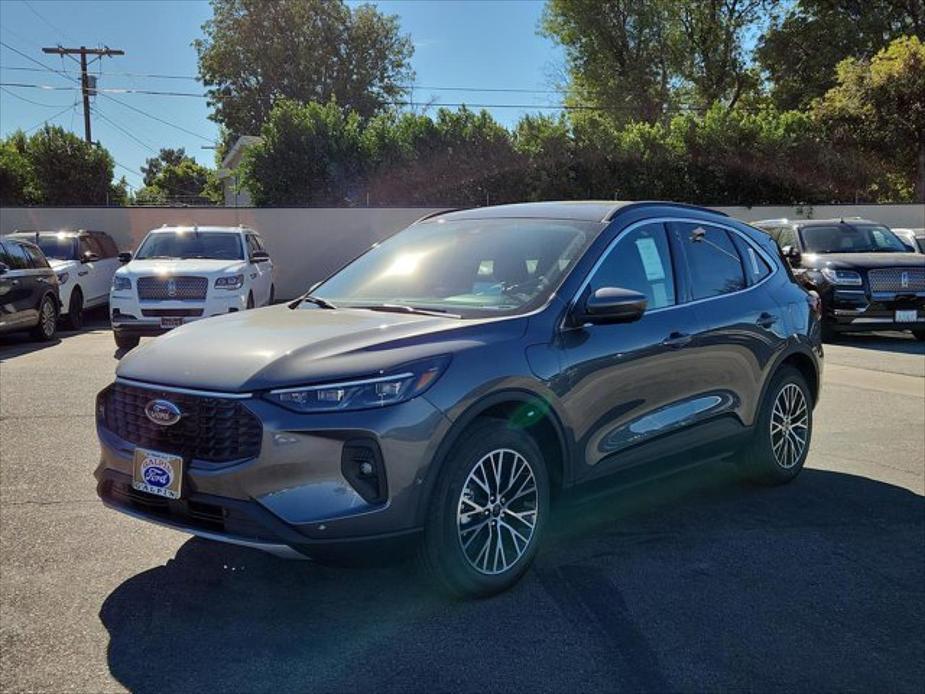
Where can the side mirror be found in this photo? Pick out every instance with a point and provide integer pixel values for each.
(4, 268)
(89, 257)
(792, 254)
(613, 305)
(260, 257)
(124, 257)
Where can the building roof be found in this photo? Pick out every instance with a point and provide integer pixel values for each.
(233, 156)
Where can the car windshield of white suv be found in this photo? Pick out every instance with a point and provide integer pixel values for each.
(842, 238)
(468, 268)
(191, 244)
(58, 247)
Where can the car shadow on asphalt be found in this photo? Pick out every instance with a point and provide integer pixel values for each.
(20, 343)
(901, 343)
(695, 582)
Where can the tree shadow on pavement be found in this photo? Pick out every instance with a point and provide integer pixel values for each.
(690, 583)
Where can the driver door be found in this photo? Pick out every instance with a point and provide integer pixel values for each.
(630, 384)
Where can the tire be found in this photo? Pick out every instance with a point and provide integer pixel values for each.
(776, 456)
(126, 341)
(48, 319)
(919, 335)
(479, 568)
(250, 301)
(272, 295)
(75, 309)
(828, 334)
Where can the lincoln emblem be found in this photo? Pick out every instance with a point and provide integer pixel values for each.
(171, 287)
(904, 280)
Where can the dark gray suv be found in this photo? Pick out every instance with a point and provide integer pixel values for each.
(442, 388)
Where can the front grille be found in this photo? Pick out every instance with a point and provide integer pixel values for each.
(211, 429)
(897, 280)
(181, 312)
(172, 288)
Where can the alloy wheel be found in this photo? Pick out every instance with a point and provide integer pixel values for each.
(48, 318)
(789, 426)
(497, 511)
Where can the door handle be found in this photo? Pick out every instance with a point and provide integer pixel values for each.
(766, 320)
(676, 340)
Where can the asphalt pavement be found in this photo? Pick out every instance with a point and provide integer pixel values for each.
(693, 583)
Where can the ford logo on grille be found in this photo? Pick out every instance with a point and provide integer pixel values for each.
(163, 412)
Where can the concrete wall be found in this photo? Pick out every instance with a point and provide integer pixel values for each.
(309, 243)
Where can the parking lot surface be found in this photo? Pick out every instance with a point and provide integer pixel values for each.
(691, 583)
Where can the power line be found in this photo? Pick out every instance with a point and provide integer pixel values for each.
(124, 131)
(28, 101)
(51, 118)
(48, 23)
(159, 120)
(37, 62)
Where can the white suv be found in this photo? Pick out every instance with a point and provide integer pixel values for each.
(181, 274)
(84, 262)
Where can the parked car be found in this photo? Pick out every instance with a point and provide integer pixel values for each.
(443, 387)
(28, 290)
(84, 261)
(867, 278)
(181, 274)
(914, 239)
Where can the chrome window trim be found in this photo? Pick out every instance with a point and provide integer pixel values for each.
(183, 391)
(773, 263)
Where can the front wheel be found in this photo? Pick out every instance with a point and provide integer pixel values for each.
(126, 342)
(250, 301)
(488, 512)
(783, 430)
(48, 319)
(75, 309)
(919, 335)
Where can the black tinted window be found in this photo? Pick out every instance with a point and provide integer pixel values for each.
(713, 261)
(756, 268)
(19, 259)
(35, 255)
(640, 261)
(88, 244)
(107, 245)
(191, 244)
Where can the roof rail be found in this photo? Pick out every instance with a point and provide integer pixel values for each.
(431, 215)
(699, 208)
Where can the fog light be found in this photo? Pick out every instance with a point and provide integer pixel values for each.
(361, 465)
(366, 468)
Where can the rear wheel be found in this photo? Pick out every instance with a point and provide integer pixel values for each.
(75, 309)
(919, 335)
(48, 319)
(250, 301)
(272, 295)
(126, 341)
(488, 512)
(783, 430)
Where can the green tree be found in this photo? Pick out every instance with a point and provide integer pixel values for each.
(547, 149)
(877, 108)
(311, 154)
(256, 52)
(17, 178)
(173, 177)
(799, 52)
(166, 157)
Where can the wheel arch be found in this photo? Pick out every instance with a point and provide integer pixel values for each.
(521, 409)
(802, 359)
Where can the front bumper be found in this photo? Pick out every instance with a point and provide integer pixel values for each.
(858, 310)
(295, 495)
(130, 316)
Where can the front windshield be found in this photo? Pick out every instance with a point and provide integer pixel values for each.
(845, 238)
(58, 247)
(191, 244)
(471, 268)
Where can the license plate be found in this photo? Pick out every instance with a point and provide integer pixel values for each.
(171, 321)
(907, 316)
(157, 473)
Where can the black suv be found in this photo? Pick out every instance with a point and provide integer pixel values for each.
(444, 386)
(867, 277)
(28, 290)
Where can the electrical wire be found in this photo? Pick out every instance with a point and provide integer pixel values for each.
(37, 62)
(48, 23)
(50, 118)
(28, 101)
(95, 111)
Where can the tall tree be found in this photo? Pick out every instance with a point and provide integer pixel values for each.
(179, 180)
(878, 108)
(256, 52)
(800, 51)
(168, 156)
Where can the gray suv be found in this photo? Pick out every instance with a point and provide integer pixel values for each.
(439, 391)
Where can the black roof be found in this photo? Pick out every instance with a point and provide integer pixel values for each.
(579, 210)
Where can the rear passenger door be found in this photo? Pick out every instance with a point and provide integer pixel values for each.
(107, 265)
(261, 273)
(91, 273)
(18, 287)
(740, 326)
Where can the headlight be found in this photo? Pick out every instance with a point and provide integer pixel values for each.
(230, 282)
(121, 283)
(62, 277)
(364, 393)
(843, 277)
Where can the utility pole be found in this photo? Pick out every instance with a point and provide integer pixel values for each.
(83, 52)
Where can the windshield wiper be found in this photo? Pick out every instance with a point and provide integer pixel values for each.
(402, 308)
(317, 300)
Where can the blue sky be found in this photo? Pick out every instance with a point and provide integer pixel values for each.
(488, 44)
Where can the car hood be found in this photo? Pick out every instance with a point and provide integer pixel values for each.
(277, 346)
(862, 261)
(188, 266)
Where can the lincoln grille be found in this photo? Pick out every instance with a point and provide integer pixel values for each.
(891, 280)
(211, 429)
(176, 288)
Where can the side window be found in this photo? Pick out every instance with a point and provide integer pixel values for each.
(712, 260)
(88, 243)
(259, 242)
(640, 261)
(19, 259)
(35, 256)
(107, 245)
(787, 237)
(756, 268)
(251, 242)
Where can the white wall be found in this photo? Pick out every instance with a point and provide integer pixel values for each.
(309, 243)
